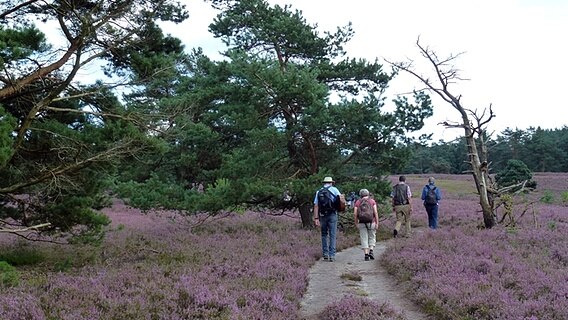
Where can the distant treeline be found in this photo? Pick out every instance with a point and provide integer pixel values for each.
(542, 150)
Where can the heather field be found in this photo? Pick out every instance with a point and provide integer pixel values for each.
(518, 271)
(255, 266)
(162, 266)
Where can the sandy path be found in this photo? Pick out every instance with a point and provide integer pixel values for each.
(327, 286)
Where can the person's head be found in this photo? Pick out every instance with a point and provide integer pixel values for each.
(402, 179)
(328, 180)
(364, 192)
(431, 180)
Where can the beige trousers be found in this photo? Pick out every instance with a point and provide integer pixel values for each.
(402, 216)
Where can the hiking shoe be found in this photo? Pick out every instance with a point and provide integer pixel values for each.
(367, 257)
(371, 255)
(325, 258)
(394, 233)
(331, 259)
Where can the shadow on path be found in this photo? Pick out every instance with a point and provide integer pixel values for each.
(326, 285)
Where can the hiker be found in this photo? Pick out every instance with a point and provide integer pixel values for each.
(326, 203)
(431, 196)
(401, 205)
(351, 198)
(367, 220)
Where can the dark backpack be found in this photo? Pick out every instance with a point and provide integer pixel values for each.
(366, 212)
(326, 201)
(400, 194)
(431, 196)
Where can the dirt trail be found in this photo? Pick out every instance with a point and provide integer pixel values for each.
(327, 286)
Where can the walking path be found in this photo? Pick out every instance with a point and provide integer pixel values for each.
(326, 285)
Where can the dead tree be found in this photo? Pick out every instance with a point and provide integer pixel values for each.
(473, 122)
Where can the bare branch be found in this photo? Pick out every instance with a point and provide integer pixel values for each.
(32, 228)
(6, 13)
(39, 73)
(54, 172)
(447, 74)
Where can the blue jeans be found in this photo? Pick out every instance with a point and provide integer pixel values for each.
(328, 226)
(432, 210)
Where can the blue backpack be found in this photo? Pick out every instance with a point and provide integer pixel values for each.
(326, 201)
(431, 196)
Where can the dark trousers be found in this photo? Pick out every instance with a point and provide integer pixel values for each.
(432, 210)
(328, 226)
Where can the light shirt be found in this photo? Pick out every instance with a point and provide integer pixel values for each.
(331, 188)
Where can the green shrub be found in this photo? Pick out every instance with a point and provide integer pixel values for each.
(547, 197)
(21, 256)
(9, 276)
(64, 265)
(516, 171)
(564, 196)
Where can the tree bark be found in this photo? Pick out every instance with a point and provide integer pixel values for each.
(481, 179)
(306, 215)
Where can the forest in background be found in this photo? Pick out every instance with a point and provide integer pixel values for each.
(542, 150)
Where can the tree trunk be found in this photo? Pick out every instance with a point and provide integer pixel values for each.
(446, 74)
(306, 215)
(481, 178)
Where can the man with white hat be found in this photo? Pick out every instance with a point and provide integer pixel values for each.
(326, 203)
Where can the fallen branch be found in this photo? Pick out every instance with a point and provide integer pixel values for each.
(36, 227)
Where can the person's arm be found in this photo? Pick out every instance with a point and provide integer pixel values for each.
(376, 211)
(355, 210)
(409, 196)
(316, 210)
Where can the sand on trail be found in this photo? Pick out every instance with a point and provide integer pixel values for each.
(326, 285)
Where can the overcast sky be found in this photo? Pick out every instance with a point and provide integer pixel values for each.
(514, 51)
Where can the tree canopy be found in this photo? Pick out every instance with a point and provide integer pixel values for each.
(61, 136)
(270, 112)
(284, 108)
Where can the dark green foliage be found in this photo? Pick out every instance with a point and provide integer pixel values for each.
(515, 172)
(7, 125)
(440, 157)
(546, 150)
(248, 129)
(541, 150)
(19, 43)
(62, 137)
(21, 256)
(261, 123)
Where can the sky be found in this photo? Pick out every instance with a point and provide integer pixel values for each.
(513, 52)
